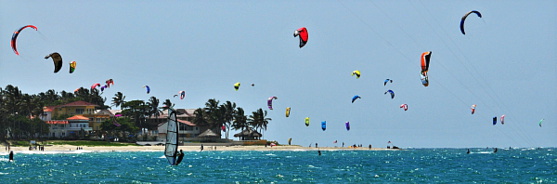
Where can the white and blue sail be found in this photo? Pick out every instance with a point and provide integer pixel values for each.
(171, 145)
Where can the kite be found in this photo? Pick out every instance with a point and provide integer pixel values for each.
(307, 121)
(237, 86)
(494, 120)
(288, 112)
(270, 102)
(391, 92)
(103, 87)
(57, 59)
(502, 119)
(14, 37)
(357, 73)
(147, 88)
(182, 94)
(464, 18)
(303, 34)
(404, 106)
(425, 67)
(473, 108)
(387, 80)
(355, 98)
(347, 124)
(109, 82)
(95, 86)
(72, 66)
(324, 125)
(540, 123)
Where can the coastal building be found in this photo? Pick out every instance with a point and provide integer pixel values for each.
(249, 134)
(187, 130)
(74, 119)
(76, 126)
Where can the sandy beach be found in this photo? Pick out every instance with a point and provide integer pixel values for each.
(68, 148)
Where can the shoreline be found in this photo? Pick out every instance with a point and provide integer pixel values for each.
(70, 148)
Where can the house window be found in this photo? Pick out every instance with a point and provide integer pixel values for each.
(79, 111)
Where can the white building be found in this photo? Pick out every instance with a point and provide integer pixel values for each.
(72, 126)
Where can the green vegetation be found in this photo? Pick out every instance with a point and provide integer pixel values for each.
(20, 116)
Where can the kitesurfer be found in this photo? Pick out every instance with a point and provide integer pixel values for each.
(468, 152)
(180, 157)
(12, 156)
(495, 150)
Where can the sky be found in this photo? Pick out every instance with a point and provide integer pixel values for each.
(505, 64)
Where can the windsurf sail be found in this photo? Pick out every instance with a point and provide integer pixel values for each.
(171, 145)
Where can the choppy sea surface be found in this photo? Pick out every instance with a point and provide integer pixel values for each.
(536, 165)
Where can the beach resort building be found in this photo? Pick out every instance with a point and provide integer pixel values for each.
(187, 130)
(74, 119)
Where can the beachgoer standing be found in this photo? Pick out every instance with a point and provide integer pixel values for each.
(201, 147)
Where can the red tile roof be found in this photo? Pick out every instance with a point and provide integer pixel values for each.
(186, 122)
(48, 108)
(77, 117)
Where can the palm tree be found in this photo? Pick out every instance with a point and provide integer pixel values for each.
(167, 104)
(154, 108)
(240, 120)
(200, 118)
(118, 99)
(12, 96)
(228, 109)
(258, 120)
(213, 114)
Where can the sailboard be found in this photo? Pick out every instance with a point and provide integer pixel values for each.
(171, 145)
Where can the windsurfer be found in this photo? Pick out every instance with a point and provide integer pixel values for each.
(180, 157)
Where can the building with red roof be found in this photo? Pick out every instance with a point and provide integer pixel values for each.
(84, 118)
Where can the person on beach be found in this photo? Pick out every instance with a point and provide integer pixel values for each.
(201, 147)
(180, 157)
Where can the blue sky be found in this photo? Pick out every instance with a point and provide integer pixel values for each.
(506, 63)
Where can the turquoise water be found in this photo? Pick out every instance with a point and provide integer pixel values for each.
(412, 166)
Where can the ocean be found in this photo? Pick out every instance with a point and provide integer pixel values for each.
(536, 165)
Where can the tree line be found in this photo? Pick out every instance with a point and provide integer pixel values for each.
(20, 113)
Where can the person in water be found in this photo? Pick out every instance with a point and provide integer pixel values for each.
(319, 152)
(468, 152)
(180, 157)
(12, 156)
